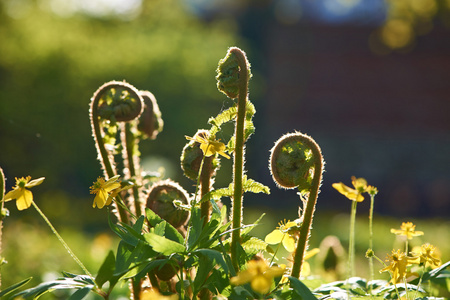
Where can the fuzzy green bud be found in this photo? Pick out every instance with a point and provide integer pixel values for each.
(292, 163)
(161, 197)
(228, 77)
(118, 101)
(150, 122)
(192, 156)
(370, 253)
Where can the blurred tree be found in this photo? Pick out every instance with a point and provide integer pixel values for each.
(54, 55)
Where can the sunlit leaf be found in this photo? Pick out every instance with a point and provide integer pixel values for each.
(106, 271)
(14, 287)
(163, 245)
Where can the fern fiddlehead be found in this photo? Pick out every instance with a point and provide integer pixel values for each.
(296, 162)
(113, 102)
(233, 75)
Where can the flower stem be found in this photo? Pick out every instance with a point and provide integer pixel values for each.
(351, 243)
(2, 194)
(75, 258)
(310, 205)
(420, 282)
(372, 200)
(130, 143)
(239, 154)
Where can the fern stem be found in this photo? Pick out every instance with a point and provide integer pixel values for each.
(239, 153)
(310, 205)
(205, 187)
(130, 143)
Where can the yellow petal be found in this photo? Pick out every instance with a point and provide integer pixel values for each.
(14, 194)
(311, 253)
(208, 150)
(306, 269)
(289, 243)
(224, 154)
(275, 237)
(109, 200)
(348, 192)
(24, 201)
(35, 182)
(100, 199)
(111, 186)
(397, 231)
(242, 278)
(275, 271)
(261, 284)
(359, 183)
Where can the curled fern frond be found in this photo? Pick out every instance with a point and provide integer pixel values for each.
(292, 162)
(150, 122)
(118, 101)
(161, 200)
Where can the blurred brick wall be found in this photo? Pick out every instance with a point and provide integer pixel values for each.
(386, 118)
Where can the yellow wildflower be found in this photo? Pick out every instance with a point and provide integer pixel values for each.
(360, 186)
(407, 229)
(398, 262)
(24, 197)
(427, 253)
(306, 268)
(102, 189)
(152, 294)
(285, 234)
(259, 274)
(209, 147)
(371, 190)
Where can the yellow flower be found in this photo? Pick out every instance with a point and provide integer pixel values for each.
(407, 229)
(371, 190)
(102, 188)
(360, 186)
(209, 147)
(24, 197)
(151, 294)
(285, 233)
(306, 268)
(398, 262)
(427, 253)
(259, 274)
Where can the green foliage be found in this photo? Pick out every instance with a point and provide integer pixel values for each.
(49, 65)
(200, 258)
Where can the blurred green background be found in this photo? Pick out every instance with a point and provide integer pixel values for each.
(54, 54)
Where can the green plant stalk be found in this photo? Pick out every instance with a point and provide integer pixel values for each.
(100, 145)
(130, 141)
(372, 200)
(238, 168)
(351, 243)
(75, 258)
(205, 186)
(2, 195)
(310, 206)
(420, 281)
